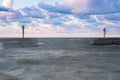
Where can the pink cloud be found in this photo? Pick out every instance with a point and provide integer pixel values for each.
(93, 6)
(78, 6)
(7, 3)
(5, 16)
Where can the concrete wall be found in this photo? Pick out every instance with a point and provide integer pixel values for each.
(106, 41)
(7, 77)
(18, 42)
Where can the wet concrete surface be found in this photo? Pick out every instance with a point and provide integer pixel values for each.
(7, 77)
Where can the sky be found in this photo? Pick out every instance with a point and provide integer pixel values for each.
(60, 18)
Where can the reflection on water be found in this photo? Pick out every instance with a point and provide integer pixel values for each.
(62, 59)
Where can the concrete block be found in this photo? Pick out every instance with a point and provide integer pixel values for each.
(106, 41)
(100, 41)
(7, 77)
(19, 42)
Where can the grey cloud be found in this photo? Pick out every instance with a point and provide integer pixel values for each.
(33, 12)
(57, 8)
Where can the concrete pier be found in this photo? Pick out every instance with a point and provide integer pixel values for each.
(18, 42)
(106, 41)
(7, 77)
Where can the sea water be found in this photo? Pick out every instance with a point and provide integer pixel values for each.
(1, 45)
(62, 59)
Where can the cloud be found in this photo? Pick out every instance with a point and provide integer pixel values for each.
(53, 15)
(33, 12)
(4, 9)
(94, 6)
(113, 17)
(4, 16)
(78, 6)
(22, 20)
(23, 15)
(7, 3)
(57, 8)
(83, 7)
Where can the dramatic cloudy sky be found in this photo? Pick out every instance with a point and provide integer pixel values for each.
(60, 18)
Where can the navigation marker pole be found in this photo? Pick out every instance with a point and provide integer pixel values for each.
(104, 33)
(23, 31)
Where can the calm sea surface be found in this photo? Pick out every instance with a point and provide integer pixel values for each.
(62, 59)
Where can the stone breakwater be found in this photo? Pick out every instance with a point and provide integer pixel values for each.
(106, 41)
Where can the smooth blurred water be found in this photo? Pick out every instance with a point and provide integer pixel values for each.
(62, 59)
(1, 45)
